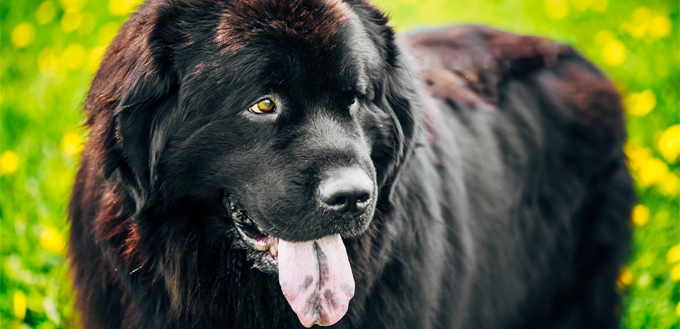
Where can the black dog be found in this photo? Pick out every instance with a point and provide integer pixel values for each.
(278, 164)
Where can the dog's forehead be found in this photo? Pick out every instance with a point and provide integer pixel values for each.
(316, 21)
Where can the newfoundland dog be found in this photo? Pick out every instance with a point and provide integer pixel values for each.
(290, 163)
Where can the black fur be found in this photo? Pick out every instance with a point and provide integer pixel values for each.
(502, 195)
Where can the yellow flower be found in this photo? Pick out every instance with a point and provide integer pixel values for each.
(556, 9)
(48, 62)
(640, 215)
(599, 5)
(71, 144)
(639, 20)
(614, 53)
(45, 12)
(72, 57)
(122, 7)
(95, 57)
(673, 255)
(71, 21)
(677, 310)
(670, 186)
(602, 37)
(23, 35)
(660, 26)
(652, 171)
(20, 303)
(73, 5)
(625, 278)
(675, 273)
(107, 32)
(669, 143)
(52, 240)
(581, 4)
(639, 104)
(87, 24)
(9, 162)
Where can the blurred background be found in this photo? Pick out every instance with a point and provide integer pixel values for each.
(49, 51)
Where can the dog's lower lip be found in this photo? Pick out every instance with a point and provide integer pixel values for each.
(250, 233)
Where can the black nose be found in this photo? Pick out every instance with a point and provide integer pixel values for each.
(346, 191)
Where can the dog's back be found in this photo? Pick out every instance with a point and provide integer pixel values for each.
(526, 137)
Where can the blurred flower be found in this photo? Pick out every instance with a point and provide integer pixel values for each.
(669, 143)
(677, 310)
(87, 24)
(71, 21)
(52, 240)
(660, 26)
(48, 64)
(614, 53)
(640, 215)
(74, 5)
(637, 28)
(675, 273)
(23, 35)
(581, 4)
(625, 278)
(644, 280)
(670, 186)
(95, 57)
(72, 57)
(639, 104)
(9, 162)
(20, 303)
(645, 23)
(122, 7)
(556, 9)
(71, 144)
(602, 37)
(45, 12)
(673, 255)
(599, 5)
(107, 32)
(652, 171)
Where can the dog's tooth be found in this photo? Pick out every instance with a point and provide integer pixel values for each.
(274, 248)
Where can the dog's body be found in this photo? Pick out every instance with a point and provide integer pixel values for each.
(496, 194)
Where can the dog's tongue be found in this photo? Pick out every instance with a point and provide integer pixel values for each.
(316, 279)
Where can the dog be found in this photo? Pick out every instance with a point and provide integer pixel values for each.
(285, 164)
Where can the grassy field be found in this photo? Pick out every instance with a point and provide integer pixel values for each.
(49, 51)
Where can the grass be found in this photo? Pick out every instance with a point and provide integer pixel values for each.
(49, 51)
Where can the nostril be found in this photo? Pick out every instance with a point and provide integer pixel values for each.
(346, 190)
(337, 201)
(363, 198)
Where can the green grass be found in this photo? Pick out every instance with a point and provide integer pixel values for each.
(49, 51)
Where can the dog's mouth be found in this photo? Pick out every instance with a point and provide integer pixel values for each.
(315, 276)
(250, 233)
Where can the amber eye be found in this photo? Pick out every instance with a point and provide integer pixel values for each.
(264, 106)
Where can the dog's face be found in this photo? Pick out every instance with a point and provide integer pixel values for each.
(278, 121)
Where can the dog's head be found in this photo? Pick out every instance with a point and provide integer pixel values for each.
(282, 123)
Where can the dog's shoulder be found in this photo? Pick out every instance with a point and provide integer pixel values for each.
(469, 64)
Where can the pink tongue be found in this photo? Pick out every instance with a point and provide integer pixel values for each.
(316, 279)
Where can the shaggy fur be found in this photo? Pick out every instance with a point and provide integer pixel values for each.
(501, 196)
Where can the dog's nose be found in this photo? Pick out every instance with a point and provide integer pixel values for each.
(346, 191)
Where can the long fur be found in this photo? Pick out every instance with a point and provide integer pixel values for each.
(503, 201)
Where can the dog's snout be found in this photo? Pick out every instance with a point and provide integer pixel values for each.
(346, 191)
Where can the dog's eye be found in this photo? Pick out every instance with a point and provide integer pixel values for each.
(264, 106)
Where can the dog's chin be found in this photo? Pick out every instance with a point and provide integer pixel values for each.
(261, 247)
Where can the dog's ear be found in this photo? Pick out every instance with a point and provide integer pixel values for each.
(396, 93)
(134, 80)
(400, 100)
